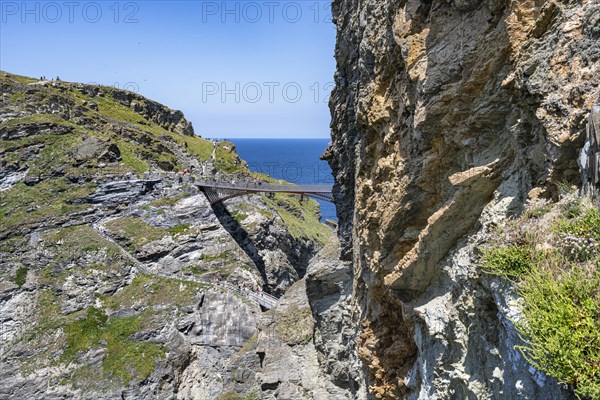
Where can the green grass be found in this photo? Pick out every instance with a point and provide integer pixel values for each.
(168, 201)
(213, 257)
(149, 290)
(39, 336)
(135, 231)
(9, 245)
(236, 396)
(18, 78)
(22, 205)
(16, 97)
(238, 215)
(56, 154)
(294, 325)
(130, 158)
(21, 276)
(227, 158)
(35, 119)
(510, 261)
(179, 229)
(300, 218)
(73, 243)
(266, 178)
(125, 358)
(108, 107)
(197, 146)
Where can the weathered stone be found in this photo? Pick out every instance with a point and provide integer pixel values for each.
(24, 130)
(445, 115)
(96, 149)
(178, 278)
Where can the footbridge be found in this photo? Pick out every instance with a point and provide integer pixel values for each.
(217, 191)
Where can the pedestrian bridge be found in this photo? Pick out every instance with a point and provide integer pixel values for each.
(217, 191)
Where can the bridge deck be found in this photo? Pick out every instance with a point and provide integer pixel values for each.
(267, 187)
(217, 192)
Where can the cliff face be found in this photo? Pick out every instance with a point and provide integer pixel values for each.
(447, 116)
(114, 267)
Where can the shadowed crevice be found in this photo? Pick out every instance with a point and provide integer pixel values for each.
(241, 237)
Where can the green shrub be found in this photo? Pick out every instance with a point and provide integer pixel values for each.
(579, 231)
(573, 209)
(509, 261)
(238, 215)
(179, 229)
(237, 396)
(559, 286)
(586, 225)
(82, 334)
(16, 96)
(135, 231)
(561, 327)
(168, 201)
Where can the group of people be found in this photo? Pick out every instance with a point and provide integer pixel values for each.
(248, 287)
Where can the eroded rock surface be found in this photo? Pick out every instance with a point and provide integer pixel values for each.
(445, 116)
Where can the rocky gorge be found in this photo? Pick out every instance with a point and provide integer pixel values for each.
(120, 280)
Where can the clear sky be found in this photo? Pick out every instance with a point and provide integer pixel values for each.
(235, 68)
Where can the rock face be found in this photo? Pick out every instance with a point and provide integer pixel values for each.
(329, 290)
(446, 115)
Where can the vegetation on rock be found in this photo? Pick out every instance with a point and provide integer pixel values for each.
(557, 276)
(125, 359)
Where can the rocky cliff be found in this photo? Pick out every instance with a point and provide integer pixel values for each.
(118, 279)
(447, 117)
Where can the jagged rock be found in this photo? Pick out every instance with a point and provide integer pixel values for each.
(96, 149)
(329, 292)
(445, 116)
(119, 280)
(289, 364)
(24, 130)
(119, 192)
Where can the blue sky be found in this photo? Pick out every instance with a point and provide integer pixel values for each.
(235, 68)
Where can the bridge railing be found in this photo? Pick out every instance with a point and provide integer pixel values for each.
(264, 299)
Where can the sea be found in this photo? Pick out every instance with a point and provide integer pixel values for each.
(293, 160)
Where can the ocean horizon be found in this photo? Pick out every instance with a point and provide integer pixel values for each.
(293, 160)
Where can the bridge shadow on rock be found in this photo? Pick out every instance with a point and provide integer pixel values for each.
(242, 238)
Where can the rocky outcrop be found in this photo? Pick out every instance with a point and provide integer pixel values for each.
(329, 290)
(172, 120)
(446, 115)
(271, 238)
(119, 279)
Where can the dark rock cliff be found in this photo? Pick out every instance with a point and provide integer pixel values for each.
(447, 117)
